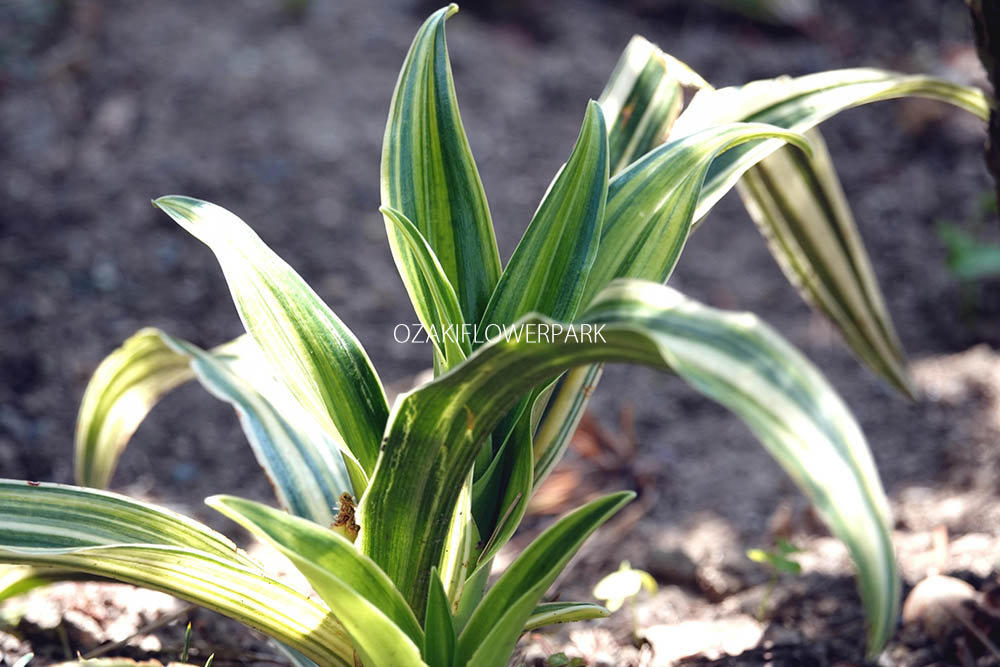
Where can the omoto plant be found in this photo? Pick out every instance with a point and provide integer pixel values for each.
(394, 513)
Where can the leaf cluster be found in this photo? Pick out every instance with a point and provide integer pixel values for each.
(431, 487)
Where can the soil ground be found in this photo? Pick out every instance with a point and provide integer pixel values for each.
(276, 111)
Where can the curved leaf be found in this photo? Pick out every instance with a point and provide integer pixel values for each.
(306, 344)
(361, 596)
(106, 535)
(732, 358)
(547, 272)
(60, 516)
(800, 208)
(235, 591)
(495, 625)
(797, 200)
(122, 391)
(550, 613)
(801, 103)
(20, 579)
(652, 203)
(641, 101)
(302, 460)
(442, 315)
(429, 175)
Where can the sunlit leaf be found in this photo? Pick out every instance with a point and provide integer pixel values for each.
(106, 535)
(429, 175)
(732, 358)
(305, 343)
(374, 614)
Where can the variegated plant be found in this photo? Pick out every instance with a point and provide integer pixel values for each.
(442, 477)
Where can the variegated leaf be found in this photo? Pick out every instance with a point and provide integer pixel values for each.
(307, 346)
(732, 358)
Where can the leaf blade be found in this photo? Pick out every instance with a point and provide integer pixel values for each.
(442, 315)
(498, 621)
(551, 613)
(429, 174)
(301, 459)
(650, 324)
(308, 347)
(651, 205)
(66, 528)
(125, 386)
(548, 269)
(363, 599)
(439, 627)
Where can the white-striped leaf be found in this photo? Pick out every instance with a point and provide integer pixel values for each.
(732, 358)
(442, 314)
(429, 175)
(381, 625)
(801, 103)
(304, 463)
(305, 343)
(457, 555)
(122, 391)
(239, 592)
(106, 535)
(800, 208)
(548, 270)
(798, 203)
(641, 101)
(490, 635)
(551, 613)
(302, 460)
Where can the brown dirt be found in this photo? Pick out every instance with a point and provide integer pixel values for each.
(278, 115)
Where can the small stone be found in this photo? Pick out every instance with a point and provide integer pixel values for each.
(937, 604)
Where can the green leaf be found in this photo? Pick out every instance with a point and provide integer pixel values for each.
(563, 415)
(235, 591)
(641, 101)
(969, 258)
(306, 344)
(302, 460)
(498, 621)
(550, 613)
(516, 490)
(442, 315)
(439, 627)
(652, 203)
(122, 391)
(20, 579)
(107, 535)
(732, 358)
(547, 272)
(801, 103)
(457, 555)
(376, 617)
(800, 207)
(429, 175)
(798, 203)
(73, 517)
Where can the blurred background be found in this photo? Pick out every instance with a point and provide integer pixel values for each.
(275, 109)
